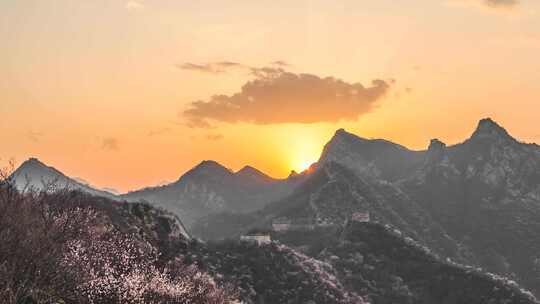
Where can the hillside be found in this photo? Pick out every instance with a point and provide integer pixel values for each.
(328, 198)
(272, 273)
(79, 248)
(379, 263)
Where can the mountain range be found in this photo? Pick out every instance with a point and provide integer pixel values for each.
(474, 203)
(206, 189)
(211, 188)
(477, 202)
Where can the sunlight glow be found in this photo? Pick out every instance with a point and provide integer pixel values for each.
(303, 165)
(305, 152)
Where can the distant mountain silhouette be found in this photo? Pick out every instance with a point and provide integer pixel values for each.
(211, 188)
(206, 189)
(33, 174)
(252, 175)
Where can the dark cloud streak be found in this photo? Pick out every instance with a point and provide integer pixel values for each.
(110, 143)
(281, 63)
(501, 3)
(212, 67)
(225, 66)
(34, 136)
(159, 131)
(214, 137)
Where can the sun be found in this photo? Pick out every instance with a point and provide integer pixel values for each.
(302, 165)
(304, 155)
(303, 147)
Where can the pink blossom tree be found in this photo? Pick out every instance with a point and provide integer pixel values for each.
(56, 250)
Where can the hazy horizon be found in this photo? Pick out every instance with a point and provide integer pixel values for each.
(127, 94)
(304, 167)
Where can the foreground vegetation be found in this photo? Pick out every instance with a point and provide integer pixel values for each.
(69, 247)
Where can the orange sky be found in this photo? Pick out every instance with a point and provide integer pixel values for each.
(98, 88)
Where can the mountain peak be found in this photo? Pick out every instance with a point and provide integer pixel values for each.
(32, 162)
(33, 166)
(251, 172)
(436, 144)
(208, 168)
(33, 173)
(293, 174)
(342, 133)
(247, 169)
(488, 128)
(211, 165)
(436, 151)
(488, 123)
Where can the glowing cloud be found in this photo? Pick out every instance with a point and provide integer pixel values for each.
(276, 96)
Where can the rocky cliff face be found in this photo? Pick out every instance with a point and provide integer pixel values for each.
(484, 192)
